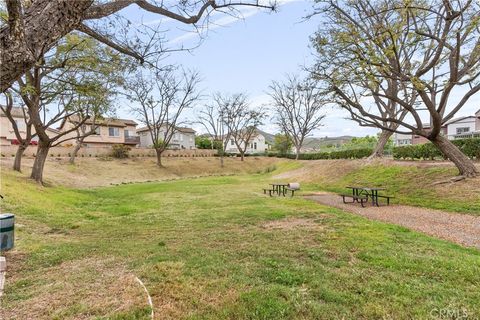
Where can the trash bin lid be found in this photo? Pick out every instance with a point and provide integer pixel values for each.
(6, 216)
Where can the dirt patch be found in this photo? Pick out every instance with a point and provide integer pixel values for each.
(291, 223)
(81, 289)
(459, 228)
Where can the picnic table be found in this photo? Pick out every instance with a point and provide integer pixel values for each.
(279, 188)
(357, 192)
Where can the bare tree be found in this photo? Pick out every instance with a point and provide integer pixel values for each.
(213, 120)
(34, 27)
(240, 120)
(297, 105)
(162, 98)
(409, 56)
(24, 141)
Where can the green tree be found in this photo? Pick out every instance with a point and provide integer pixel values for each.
(203, 143)
(75, 80)
(282, 144)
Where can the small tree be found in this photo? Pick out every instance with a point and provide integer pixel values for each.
(203, 143)
(212, 118)
(297, 105)
(23, 141)
(282, 144)
(162, 98)
(240, 120)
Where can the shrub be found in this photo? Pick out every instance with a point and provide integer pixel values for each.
(120, 151)
(470, 147)
(342, 154)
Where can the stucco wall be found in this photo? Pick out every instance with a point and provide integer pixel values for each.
(466, 123)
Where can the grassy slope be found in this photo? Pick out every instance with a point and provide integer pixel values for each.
(409, 183)
(201, 249)
(92, 172)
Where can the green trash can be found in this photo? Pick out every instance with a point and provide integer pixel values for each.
(7, 226)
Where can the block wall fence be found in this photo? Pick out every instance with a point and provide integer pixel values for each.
(9, 151)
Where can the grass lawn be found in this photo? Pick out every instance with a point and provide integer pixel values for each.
(216, 248)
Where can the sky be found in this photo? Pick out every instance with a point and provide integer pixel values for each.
(245, 55)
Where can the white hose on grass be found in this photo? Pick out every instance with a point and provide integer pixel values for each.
(148, 295)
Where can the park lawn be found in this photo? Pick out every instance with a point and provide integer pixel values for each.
(217, 248)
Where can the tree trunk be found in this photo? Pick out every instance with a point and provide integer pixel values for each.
(17, 163)
(379, 149)
(77, 148)
(242, 155)
(159, 157)
(297, 152)
(39, 163)
(464, 164)
(221, 160)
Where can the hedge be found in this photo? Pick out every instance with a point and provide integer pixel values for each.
(470, 147)
(343, 154)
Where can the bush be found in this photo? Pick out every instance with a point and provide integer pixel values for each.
(342, 154)
(470, 147)
(120, 151)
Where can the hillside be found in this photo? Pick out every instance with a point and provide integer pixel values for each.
(316, 143)
(93, 172)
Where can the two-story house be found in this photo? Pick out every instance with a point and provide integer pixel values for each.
(256, 144)
(108, 131)
(183, 138)
(464, 127)
(459, 128)
(7, 134)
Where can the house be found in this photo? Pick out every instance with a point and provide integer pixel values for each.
(464, 127)
(256, 144)
(183, 138)
(108, 131)
(459, 128)
(416, 139)
(400, 139)
(7, 134)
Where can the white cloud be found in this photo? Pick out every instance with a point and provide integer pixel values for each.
(226, 20)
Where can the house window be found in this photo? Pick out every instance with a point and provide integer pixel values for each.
(126, 133)
(232, 142)
(255, 145)
(463, 130)
(113, 132)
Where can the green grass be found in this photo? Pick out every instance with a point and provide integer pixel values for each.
(200, 247)
(409, 185)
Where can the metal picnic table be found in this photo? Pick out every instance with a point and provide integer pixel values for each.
(279, 188)
(369, 192)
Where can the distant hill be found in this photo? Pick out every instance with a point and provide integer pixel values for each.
(314, 143)
(269, 138)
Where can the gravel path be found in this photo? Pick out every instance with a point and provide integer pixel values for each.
(460, 228)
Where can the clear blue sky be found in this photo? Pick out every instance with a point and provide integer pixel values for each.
(245, 55)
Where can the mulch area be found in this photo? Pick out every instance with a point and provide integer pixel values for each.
(460, 228)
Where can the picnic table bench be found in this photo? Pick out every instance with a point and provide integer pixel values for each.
(361, 198)
(362, 194)
(282, 188)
